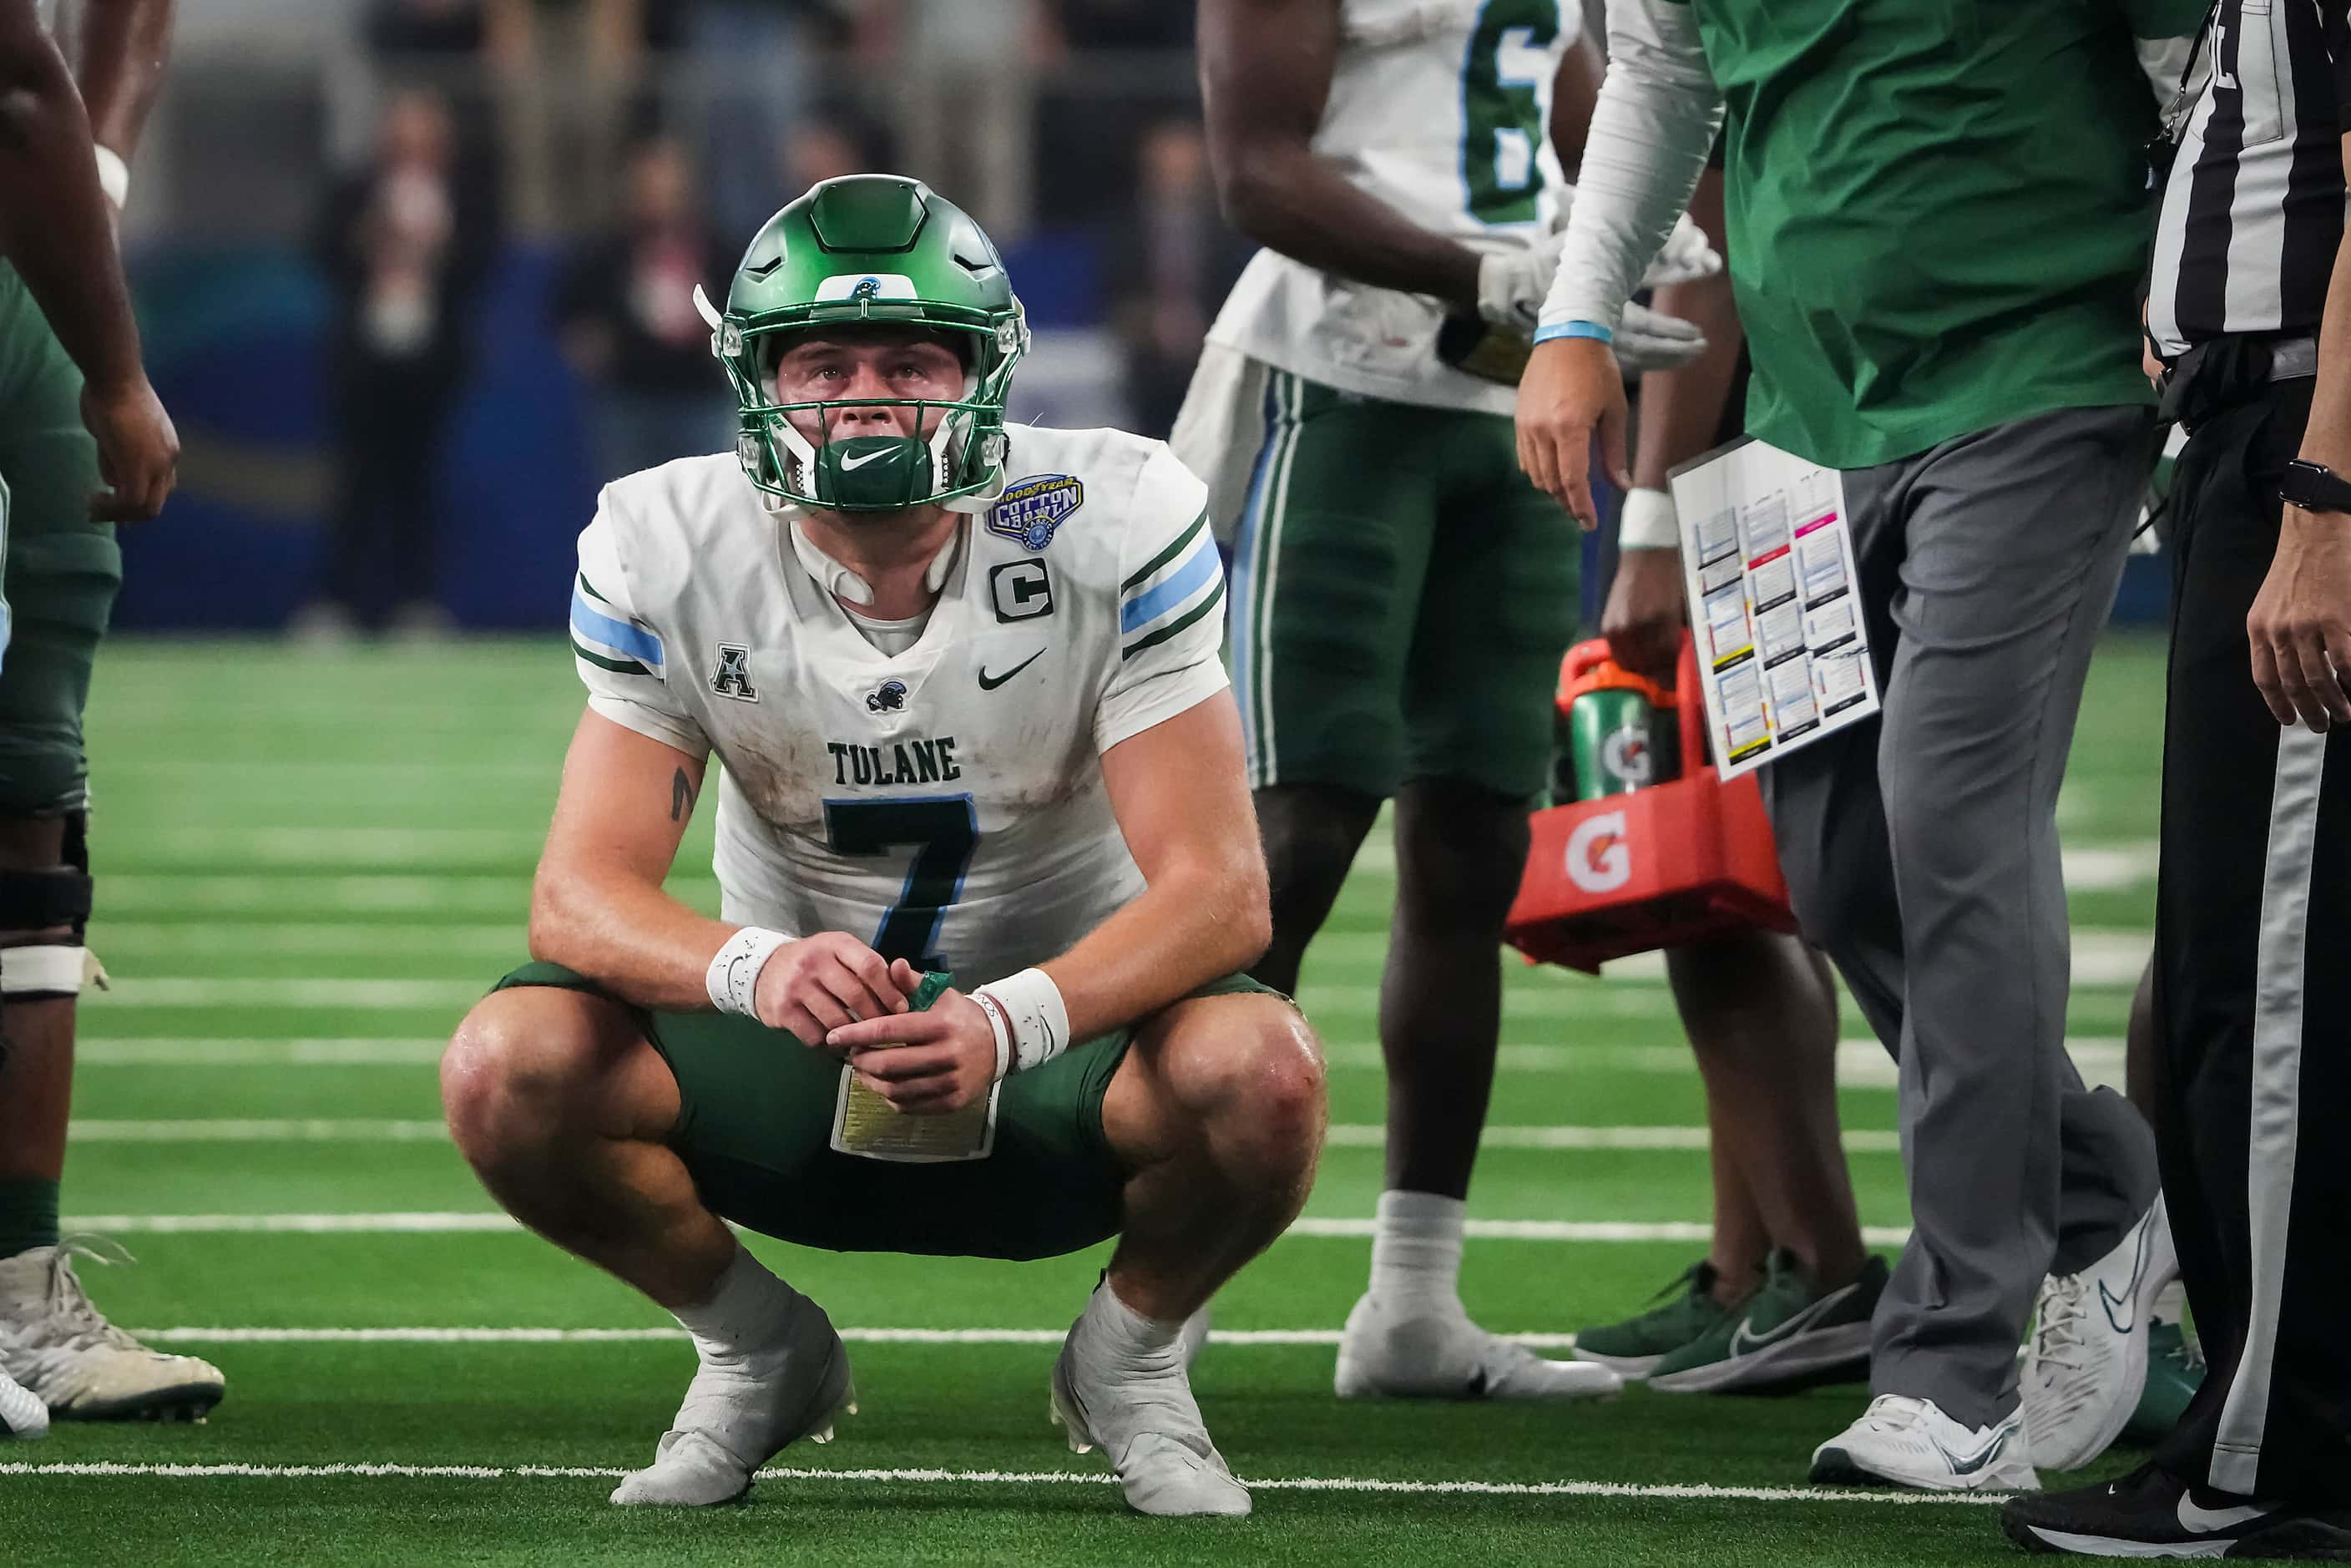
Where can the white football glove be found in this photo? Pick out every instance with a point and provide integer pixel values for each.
(1511, 287)
(1647, 341)
(1686, 259)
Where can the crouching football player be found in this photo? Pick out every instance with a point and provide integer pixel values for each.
(964, 683)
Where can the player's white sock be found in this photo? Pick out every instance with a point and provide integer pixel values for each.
(772, 1372)
(745, 1313)
(1411, 1336)
(2170, 1304)
(1417, 1253)
(1120, 1385)
(1129, 1340)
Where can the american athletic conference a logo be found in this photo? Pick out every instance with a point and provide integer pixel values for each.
(1598, 858)
(1031, 510)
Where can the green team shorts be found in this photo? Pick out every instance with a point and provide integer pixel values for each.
(1401, 598)
(62, 569)
(755, 1111)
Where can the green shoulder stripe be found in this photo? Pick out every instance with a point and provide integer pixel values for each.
(1215, 597)
(1170, 553)
(590, 589)
(617, 666)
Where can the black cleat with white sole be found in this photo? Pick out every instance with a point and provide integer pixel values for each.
(2149, 1513)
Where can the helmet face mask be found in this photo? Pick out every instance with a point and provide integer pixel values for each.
(854, 255)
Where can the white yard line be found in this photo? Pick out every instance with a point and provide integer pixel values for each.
(1348, 1135)
(276, 992)
(1861, 1063)
(379, 1472)
(449, 1222)
(205, 1050)
(1253, 1338)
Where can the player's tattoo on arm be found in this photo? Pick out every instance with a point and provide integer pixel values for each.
(681, 797)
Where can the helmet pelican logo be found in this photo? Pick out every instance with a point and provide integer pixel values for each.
(889, 697)
(867, 291)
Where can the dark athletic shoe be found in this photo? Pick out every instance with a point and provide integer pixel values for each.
(2150, 1514)
(1633, 1347)
(1790, 1334)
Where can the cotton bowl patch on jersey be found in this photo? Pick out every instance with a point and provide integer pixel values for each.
(1031, 508)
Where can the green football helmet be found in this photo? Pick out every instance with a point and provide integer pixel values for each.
(878, 250)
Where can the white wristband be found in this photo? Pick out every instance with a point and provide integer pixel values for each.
(1648, 522)
(734, 976)
(1036, 1022)
(113, 175)
(1002, 1028)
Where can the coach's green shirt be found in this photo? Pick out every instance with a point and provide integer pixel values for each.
(1939, 210)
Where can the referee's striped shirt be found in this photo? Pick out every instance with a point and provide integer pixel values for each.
(2253, 209)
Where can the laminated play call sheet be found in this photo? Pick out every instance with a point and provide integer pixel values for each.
(1767, 561)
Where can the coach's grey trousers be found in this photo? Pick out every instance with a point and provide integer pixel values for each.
(1921, 853)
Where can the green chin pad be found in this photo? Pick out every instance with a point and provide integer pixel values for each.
(873, 473)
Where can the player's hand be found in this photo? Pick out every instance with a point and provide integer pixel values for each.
(1687, 258)
(819, 983)
(1511, 286)
(1649, 339)
(2300, 626)
(138, 450)
(1643, 622)
(928, 1063)
(1572, 389)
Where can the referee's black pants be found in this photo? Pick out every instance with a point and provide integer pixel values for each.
(2254, 989)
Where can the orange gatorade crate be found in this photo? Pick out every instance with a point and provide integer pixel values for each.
(1657, 867)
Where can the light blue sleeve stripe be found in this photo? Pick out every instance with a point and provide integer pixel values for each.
(1146, 607)
(617, 635)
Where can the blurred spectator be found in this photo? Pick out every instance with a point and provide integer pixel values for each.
(440, 45)
(1174, 263)
(1119, 67)
(752, 59)
(966, 106)
(816, 150)
(404, 245)
(624, 312)
(572, 71)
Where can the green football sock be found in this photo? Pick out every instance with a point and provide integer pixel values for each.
(29, 1216)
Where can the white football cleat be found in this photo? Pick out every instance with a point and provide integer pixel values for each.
(1905, 1442)
(62, 1349)
(740, 1414)
(2087, 1363)
(1147, 1423)
(22, 1416)
(1444, 1355)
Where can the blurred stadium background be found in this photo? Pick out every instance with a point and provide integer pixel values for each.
(574, 130)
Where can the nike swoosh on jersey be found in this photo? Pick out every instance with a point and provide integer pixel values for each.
(2129, 1297)
(1742, 1341)
(989, 683)
(1974, 1462)
(850, 463)
(2205, 1519)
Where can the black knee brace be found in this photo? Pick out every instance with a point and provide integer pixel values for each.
(35, 968)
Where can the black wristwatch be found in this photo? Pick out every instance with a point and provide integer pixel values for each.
(2314, 487)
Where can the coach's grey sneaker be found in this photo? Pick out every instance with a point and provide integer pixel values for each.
(1135, 1404)
(62, 1349)
(1905, 1442)
(740, 1412)
(22, 1416)
(1383, 1354)
(2087, 1362)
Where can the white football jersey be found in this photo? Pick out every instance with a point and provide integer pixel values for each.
(946, 805)
(1441, 109)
